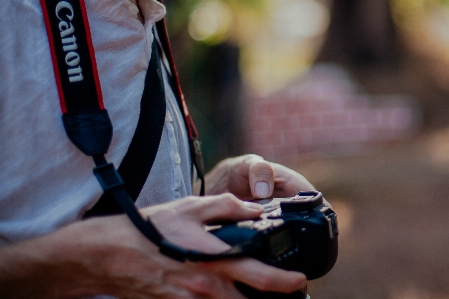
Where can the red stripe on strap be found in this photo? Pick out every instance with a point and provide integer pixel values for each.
(161, 26)
(53, 57)
(92, 54)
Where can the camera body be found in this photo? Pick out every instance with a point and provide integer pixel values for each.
(298, 233)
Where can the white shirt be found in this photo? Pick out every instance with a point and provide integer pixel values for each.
(45, 181)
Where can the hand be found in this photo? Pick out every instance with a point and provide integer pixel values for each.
(251, 177)
(110, 256)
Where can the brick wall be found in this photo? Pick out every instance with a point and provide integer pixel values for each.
(326, 112)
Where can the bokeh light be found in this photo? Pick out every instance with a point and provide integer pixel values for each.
(285, 45)
(278, 42)
(301, 19)
(210, 22)
(424, 24)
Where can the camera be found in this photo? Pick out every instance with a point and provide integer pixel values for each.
(298, 233)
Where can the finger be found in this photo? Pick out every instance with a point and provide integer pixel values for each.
(288, 181)
(204, 284)
(223, 207)
(263, 277)
(189, 214)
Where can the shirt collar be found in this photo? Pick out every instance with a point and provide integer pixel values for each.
(152, 10)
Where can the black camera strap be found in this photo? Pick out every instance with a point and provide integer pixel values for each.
(87, 122)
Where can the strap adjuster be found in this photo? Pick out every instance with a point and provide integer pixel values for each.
(108, 177)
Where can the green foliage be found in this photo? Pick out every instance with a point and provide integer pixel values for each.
(256, 5)
(178, 13)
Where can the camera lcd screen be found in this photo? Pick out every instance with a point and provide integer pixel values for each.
(281, 241)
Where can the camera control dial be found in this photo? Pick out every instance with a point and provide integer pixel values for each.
(302, 202)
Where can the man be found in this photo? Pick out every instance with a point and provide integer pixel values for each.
(47, 185)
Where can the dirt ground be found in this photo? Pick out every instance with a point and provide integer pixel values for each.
(392, 205)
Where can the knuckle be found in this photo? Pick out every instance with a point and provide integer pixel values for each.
(201, 284)
(192, 202)
(230, 202)
(190, 199)
(264, 283)
(247, 162)
(253, 157)
(263, 168)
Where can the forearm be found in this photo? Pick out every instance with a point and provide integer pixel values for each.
(58, 265)
(110, 256)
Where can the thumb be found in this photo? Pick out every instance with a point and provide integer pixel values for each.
(261, 179)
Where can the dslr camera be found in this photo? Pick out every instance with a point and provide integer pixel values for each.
(298, 233)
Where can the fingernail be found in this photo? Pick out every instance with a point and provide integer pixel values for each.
(253, 206)
(262, 189)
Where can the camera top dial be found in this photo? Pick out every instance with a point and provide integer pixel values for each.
(302, 202)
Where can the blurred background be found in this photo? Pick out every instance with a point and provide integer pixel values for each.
(354, 94)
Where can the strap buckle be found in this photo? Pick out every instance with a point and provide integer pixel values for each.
(108, 177)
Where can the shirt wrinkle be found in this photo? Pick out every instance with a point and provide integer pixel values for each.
(39, 164)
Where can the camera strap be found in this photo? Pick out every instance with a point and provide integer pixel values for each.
(87, 122)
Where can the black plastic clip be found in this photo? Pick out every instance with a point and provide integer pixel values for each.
(108, 177)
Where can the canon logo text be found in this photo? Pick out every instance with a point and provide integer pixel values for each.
(64, 12)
